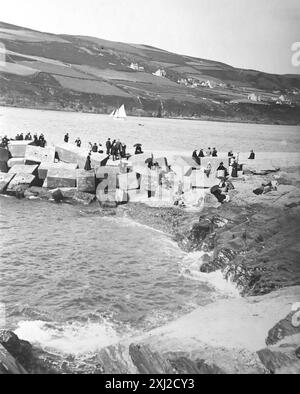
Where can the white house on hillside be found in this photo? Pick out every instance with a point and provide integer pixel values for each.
(160, 73)
(136, 67)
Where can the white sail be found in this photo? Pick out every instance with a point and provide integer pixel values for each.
(120, 113)
(113, 113)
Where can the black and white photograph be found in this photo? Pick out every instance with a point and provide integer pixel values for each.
(149, 190)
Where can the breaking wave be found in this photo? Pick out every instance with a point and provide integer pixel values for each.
(74, 338)
(190, 269)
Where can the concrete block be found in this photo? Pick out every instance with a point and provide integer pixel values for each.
(86, 181)
(16, 161)
(44, 168)
(23, 169)
(61, 177)
(36, 154)
(5, 179)
(18, 148)
(21, 179)
(69, 153)
(128, 181)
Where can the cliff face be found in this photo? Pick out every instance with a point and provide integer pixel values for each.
(75, 73)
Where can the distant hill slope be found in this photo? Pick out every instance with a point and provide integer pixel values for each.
(78, 73)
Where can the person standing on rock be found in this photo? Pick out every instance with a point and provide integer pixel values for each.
(196, 157)
(234, 172)
(88, 163)
(108, 147)
(78, 142)
(66, 138)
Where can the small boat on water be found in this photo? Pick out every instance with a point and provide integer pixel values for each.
(119, 113)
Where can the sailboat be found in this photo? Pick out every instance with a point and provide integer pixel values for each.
(119, 113)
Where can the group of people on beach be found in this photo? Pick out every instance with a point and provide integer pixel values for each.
(35, 140)
(113, 148)
(198, 154)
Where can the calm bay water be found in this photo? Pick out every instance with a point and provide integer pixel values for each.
(154, 134)
(74, 282)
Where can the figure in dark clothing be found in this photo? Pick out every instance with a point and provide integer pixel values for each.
(88, 163)
(35, 140)
(230, 154)
(138, 149)
(201, 154)
(66, 138)
(123, 154)
(216, 191)
(21, 137)
(108, 147)
(235, 168)
(114, 151)
(215, 153)
(42, 141)
(222, 171)
(5, 141)
(196, 158)
(95, 148)
(119, 147)
(112, 147)
(252, 155)
(78, 142)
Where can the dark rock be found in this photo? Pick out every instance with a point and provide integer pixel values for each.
(20, 350)
(282, 330)
(280, 360)
(149, 362)
(58, 196)
(223, 259)
(9, 365)
(108, 204)
(183, 365)
(20, 191)
(84, 198)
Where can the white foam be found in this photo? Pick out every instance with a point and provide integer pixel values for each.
(74, 338)
(190, 269)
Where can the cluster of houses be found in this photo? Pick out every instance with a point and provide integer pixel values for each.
(194, 83)
(278, 100)
(159, 73)
(136, 67)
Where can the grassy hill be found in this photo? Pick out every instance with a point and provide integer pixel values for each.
(78, 73)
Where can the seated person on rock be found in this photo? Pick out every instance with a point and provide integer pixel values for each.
(252, 155)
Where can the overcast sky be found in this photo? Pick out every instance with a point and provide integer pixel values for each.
(255, 34)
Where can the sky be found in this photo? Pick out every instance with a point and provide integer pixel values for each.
(255, 34)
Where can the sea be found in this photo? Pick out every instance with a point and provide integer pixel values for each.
(72, 283)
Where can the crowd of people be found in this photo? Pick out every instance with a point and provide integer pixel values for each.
(198, 154)
(36, 140)
(113, 148)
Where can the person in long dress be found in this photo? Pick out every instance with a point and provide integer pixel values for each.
(234, 172)
(196, 157)
(88, 163)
